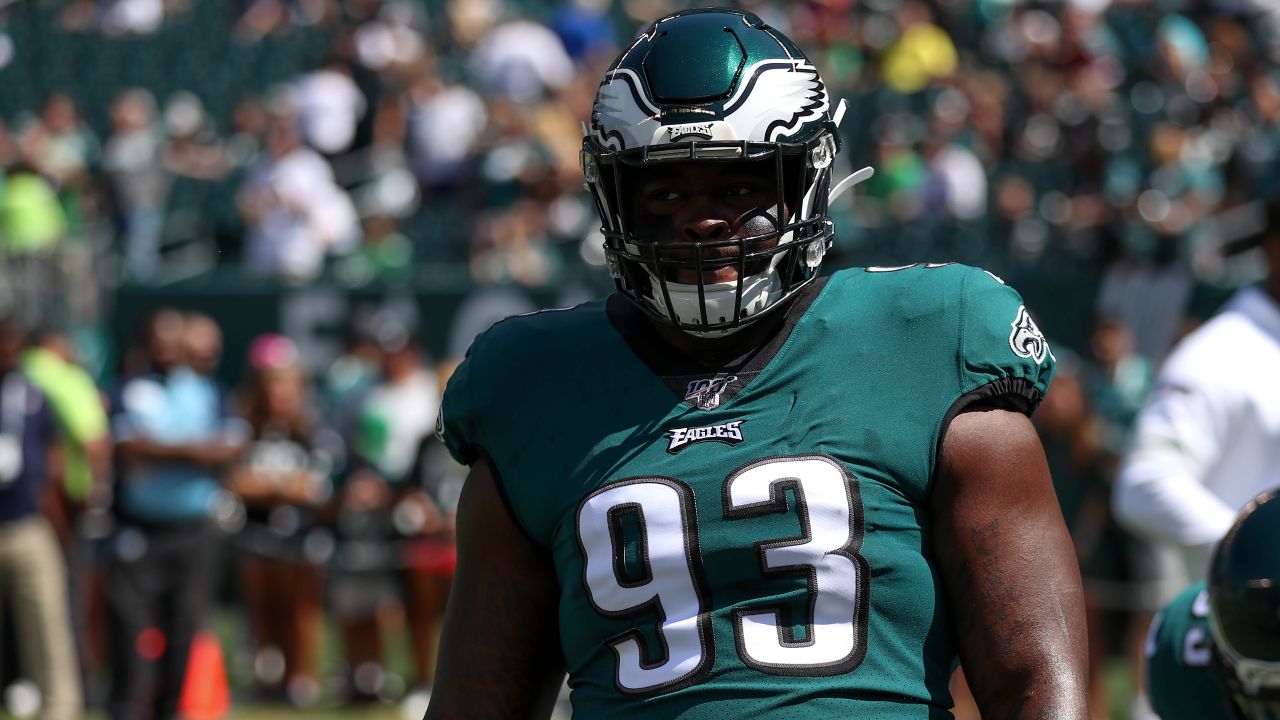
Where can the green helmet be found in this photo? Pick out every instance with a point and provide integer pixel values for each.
(714, 86)
(1244, 608)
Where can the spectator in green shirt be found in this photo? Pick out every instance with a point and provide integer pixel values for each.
(77, 408)
(84, 451)
(30, 217)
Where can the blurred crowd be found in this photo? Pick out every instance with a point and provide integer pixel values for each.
(297, 497)
(1087, 136)
(410, 132)
(1123, 144)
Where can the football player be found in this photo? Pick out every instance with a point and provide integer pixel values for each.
(1214, 652)
(735, 488)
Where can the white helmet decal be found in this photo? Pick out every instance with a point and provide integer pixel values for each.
(623, 111)
(774, 99)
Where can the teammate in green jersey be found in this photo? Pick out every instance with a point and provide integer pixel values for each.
(1214, 652)
(737, 489)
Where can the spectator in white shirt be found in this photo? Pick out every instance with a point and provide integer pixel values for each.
(1208, 439)
(330, 106)
(522, 61)
(446, 121)
(295, 213)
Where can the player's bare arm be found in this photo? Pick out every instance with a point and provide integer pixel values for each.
(1009, 570)
(500, 651)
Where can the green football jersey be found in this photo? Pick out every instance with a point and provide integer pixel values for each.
(1180, 684)
(755, 543)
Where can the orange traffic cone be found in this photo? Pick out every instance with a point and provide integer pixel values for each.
(205, 695)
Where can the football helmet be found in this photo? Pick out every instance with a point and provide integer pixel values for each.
(1244, 609)
(714, 86)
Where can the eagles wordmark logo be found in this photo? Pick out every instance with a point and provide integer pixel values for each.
(728, 433)
(1026, 340)
(705, 393)
(691, 131)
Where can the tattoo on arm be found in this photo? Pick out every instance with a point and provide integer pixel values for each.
(993, 589)
(1010, 573)
(980, 581)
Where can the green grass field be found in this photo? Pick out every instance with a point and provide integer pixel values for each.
(230, 629)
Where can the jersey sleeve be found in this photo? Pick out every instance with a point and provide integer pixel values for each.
(481, 417)
(1004, 358)
(457, 425)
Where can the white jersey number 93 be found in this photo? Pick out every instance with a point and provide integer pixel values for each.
(672, 582)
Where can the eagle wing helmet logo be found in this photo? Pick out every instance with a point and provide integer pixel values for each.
(775, 100)
(622, 112)
(778, 97)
